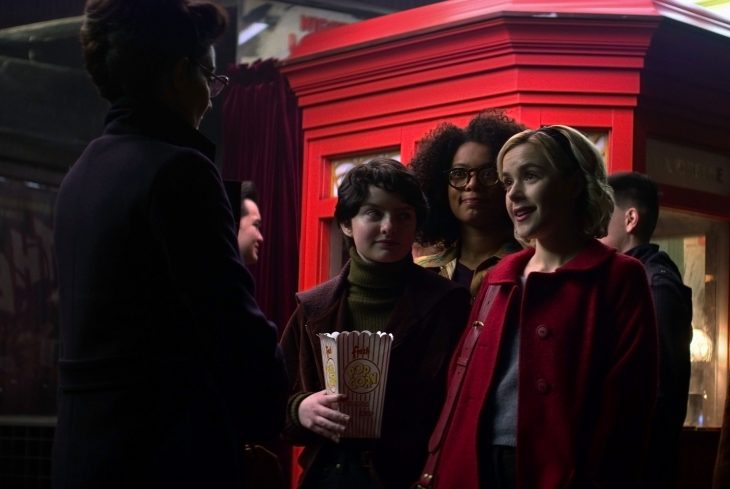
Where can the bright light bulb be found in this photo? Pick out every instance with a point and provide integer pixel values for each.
(700, 350)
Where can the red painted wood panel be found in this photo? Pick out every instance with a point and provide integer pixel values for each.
(459, 12)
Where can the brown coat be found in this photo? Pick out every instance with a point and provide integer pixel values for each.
(426, 324)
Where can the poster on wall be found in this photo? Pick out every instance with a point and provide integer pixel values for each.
(272, 29)
(28, 300)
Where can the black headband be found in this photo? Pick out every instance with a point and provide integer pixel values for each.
(562, 141)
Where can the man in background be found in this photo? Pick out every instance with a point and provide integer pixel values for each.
(629, 231)
(249, 227)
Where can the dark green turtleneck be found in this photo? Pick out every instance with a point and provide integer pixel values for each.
(373, 290)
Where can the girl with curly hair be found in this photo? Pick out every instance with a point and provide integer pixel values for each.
(468, 223)
(560, 388)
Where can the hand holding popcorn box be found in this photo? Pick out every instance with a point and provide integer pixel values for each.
(356, 364)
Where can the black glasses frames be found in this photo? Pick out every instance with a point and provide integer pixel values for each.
(459, 177)
(216, 83)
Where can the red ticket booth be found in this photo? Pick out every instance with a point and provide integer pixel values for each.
(648, 81)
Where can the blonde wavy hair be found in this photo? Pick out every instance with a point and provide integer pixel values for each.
(568, 151)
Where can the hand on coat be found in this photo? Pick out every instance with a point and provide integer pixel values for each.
(317, 413)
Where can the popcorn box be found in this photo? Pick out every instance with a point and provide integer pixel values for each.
(356, 364)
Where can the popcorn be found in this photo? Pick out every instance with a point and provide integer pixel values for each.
(356, 364)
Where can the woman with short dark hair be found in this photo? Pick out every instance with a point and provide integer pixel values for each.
(380, 209)
(167, 365)
(139, 49)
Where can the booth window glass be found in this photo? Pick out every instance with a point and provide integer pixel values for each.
(699, 247)
(600, 139)
(340, 166)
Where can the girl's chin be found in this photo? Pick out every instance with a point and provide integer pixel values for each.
(524, 236)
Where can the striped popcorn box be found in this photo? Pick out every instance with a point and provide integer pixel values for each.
(356, 364)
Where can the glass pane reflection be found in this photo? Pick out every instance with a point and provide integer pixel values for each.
(698, 246)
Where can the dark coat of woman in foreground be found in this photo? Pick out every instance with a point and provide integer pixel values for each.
(167, 365)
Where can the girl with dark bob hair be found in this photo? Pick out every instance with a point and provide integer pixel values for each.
(380, 208)
(385, 174)
(560, 388)
(167, 365)
(468, 224)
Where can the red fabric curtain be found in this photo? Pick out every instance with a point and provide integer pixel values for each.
(262, 142)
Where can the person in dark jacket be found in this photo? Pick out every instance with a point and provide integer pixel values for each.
(167, 365)
(249, 235)
(380, 208)
(629, 231)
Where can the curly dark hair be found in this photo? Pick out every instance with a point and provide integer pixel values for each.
(130, 47)
(492, 128)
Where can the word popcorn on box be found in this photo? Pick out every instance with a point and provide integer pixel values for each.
(356, 364)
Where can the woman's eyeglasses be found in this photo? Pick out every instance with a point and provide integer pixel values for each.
(216, 83)
(459, 177)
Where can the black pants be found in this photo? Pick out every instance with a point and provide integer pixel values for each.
(498, 468)
(348, 465)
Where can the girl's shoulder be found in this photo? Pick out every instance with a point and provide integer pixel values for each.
(321, 297)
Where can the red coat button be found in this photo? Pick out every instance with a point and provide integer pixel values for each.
(542, 386)
(542, 331)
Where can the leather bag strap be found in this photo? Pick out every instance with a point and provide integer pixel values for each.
(457, 380)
